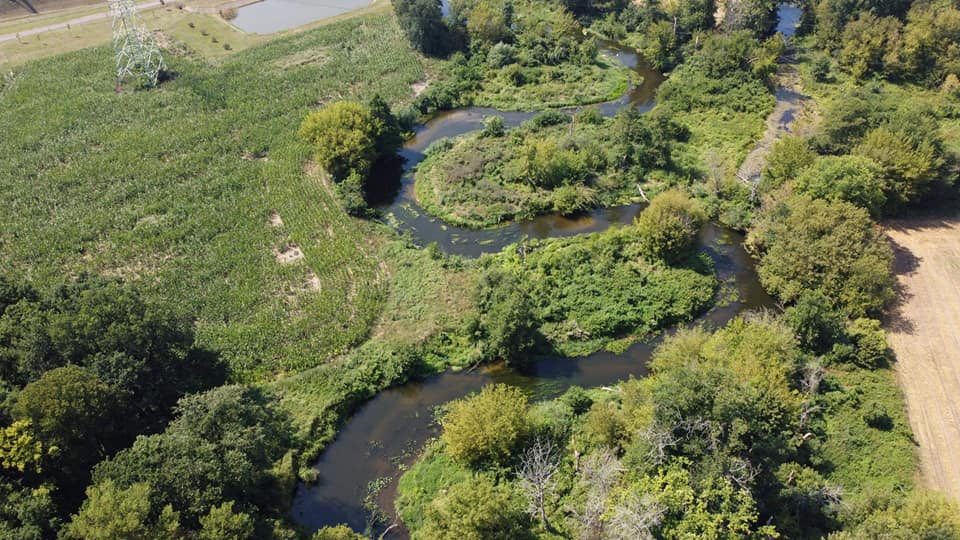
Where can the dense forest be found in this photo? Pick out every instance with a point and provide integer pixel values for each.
(134, 405)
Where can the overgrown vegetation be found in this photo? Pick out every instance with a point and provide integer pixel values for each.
(224, 253)
(744, 426)
(552, 163)
(573, 296)
(509, 55)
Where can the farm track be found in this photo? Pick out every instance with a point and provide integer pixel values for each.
(923, 332)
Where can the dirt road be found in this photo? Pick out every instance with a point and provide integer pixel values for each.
(73, 22)
(924, 332)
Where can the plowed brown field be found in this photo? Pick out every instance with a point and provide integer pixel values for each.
(924, 331)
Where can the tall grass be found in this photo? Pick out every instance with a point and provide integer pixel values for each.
(173, 188)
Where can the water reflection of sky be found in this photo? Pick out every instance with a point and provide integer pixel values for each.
(789, 19)
(271, 16)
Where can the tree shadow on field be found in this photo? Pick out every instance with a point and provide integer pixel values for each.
(25, 5)
(905, 263)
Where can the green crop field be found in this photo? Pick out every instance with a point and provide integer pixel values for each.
(199, 190)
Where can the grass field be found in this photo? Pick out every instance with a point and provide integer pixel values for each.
(184, 188)
(209, 36)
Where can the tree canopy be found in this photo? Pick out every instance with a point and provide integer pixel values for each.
(809, 244)
(486, 427)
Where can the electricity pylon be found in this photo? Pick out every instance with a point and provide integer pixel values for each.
(137, 53)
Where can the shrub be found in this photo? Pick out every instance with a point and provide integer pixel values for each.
(477, 509)
(350, 191)
(486, 427)
(500, 55)
(344, 136)
(815, 322)
(855, 179)
(548, 118)
(789, 156)
(668, 228)
(821, 69)
(876, 416)
(506, 325)
(589, 115)
(577, 399)
(872, 349)
(340, 532)
(493, 127)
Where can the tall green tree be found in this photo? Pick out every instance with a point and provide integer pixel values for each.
(220, 448)
(422, 22)
(112, 513)
(486, 428)
(506, 327)
(809, 244)
(223, 523)
(72, 409)
(344, 136)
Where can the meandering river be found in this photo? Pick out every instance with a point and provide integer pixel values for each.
(387, 432)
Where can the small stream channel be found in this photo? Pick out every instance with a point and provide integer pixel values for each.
(388, 431)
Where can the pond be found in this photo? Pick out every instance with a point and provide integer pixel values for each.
(271, 16)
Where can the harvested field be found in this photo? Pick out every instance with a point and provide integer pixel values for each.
(923, 331)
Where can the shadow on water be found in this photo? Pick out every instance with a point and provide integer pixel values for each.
(389, 430)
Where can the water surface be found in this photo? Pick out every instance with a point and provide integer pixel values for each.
(271, 16)
(386, 433)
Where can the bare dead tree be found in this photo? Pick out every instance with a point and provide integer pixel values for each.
(742, 473)
(660, 441)
(538, 466)
(636, 517)
(600, 472)
(812, 377)
(813, 374)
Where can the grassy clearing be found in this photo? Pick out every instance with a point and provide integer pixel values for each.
(867, 461)
(434, 472)
(210, 36)
(419, 332)
(551, 87)
(175, 188)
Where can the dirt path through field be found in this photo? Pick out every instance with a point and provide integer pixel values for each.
(925, 334)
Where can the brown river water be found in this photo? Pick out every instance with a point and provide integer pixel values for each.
(386, 433)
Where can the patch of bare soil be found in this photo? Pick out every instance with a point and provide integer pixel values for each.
(418, 87)
(289, 254)
(275, 220)
(924, 331)
(313, 281)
